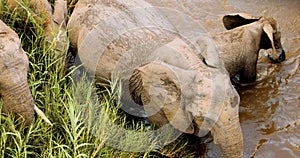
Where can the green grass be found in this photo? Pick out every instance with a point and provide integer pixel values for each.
(81, 121)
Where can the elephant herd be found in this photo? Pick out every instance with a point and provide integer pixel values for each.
(178, 81)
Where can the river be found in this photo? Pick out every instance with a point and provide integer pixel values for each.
(269, 109)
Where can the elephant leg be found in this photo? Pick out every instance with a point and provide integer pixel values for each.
(248, 73)
(14, 90)
(55, 29)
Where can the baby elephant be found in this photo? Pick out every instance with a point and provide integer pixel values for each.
(246, 36)
(14, 90)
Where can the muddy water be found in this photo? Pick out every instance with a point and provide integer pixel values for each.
(270, 109)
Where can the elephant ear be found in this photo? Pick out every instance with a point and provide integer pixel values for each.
(268, 29)
(232, 21)
(156, 87)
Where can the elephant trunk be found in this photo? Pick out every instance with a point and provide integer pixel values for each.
(18, 100)
(14, 90)
(228, 135)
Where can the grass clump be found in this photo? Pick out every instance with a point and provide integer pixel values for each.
(85, 121)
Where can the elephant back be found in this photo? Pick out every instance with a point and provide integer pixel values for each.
(103, 31)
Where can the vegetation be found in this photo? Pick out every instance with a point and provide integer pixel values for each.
(81, 121)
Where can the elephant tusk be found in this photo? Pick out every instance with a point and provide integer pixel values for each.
(42, 115)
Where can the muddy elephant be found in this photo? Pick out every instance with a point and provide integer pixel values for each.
(14, 91)
(132, 40)
(245, 37)
(53, 20)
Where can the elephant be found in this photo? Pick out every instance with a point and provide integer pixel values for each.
(14, 89)
(54, 21)
(246, 36)
(132, 40)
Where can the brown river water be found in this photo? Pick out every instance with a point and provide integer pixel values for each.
(269, 109)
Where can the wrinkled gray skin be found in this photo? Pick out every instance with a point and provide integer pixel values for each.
(111, 37)
(14, 90)
(247, 35)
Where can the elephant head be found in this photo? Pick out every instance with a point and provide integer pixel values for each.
(14, 90)
(269, 39)
(193, 100)
(54, 21)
